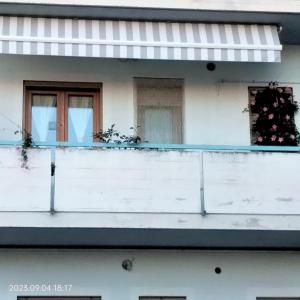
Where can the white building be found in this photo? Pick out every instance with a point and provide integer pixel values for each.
(195, 211)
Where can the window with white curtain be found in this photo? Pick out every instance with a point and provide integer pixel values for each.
(159, 110)
(62, 112)
(59, 298)
(80, 119)
(43, 119)
(162, 298)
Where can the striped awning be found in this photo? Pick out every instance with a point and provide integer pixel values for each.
(139, 40)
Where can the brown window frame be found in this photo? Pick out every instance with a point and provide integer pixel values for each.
(62, 91)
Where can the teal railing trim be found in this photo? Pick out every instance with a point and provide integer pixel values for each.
(10, 143)
(161, 146)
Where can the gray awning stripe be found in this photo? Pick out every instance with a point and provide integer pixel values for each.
(139, 40)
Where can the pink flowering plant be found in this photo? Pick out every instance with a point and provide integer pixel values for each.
(274, 109)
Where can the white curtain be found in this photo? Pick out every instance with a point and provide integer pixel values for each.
(159, 114)
(80, 125)
(162, 298)
(43, 118)
(158, 125)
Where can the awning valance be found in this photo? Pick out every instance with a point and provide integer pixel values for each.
(139, 40)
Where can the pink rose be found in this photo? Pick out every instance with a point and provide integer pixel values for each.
(273, 85)
(260, 139)
(253, 102)
(282, 100)
(281, 139)
(275, 104)
(271, 116)
(274, 126)
(273, 138)
(292, 137)
(287, 117)
(265, 108)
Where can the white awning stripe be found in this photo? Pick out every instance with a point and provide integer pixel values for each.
(139, 40)
(140, 43)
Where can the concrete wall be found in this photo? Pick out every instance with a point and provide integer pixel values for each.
(252, 183)
(128, 181)
(212, 109)
(143, 181)
(27, 189)
(244, 276)
(170, 182)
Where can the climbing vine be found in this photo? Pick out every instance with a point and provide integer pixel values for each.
(273, 109)
(27, 143)
(112, 135)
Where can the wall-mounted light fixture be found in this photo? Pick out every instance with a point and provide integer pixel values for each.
(211, 67)
(127, 264)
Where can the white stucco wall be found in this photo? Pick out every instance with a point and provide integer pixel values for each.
(244, 276)
(212, 109)
(238, 5)
(151, 189)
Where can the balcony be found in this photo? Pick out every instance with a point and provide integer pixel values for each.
(209, 191)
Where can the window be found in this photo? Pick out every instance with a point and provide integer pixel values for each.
(159, 110)
(59, 298)
(62, 111)
(162, 298)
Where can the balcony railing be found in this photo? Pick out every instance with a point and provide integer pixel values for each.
(196, 147)
(172, 179)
